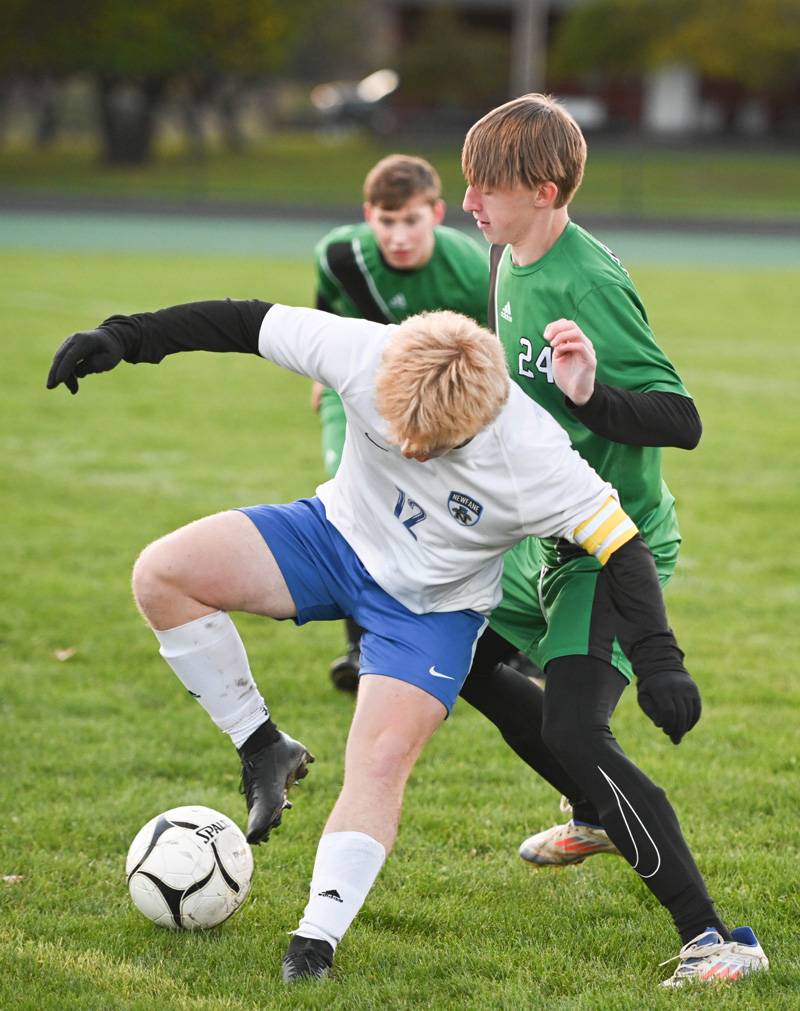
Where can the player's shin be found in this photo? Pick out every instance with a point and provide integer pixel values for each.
(209, 658)
(345, 869)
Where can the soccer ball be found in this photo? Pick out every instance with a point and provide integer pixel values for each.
(189, 868)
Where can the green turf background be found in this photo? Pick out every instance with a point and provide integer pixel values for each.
(623, 177)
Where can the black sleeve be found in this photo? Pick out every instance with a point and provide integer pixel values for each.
(656, 418)
(495, 255)
(322, 303)
(224, 325)
(631, 581)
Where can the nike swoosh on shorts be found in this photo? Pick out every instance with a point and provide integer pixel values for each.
(435, 673)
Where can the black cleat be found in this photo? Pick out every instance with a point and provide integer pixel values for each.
(344, 671)
(307, 958)
(266, 777)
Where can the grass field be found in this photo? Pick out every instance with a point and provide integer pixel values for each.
(628, 179)
(95, 744)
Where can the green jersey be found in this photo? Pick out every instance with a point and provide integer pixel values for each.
(581, 279)
(354, 280)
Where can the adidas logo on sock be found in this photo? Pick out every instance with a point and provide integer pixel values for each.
(505, 312)
(331, 894)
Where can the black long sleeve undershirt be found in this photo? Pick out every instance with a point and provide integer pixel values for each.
(631, 580)
(221, 325)
(656, 418)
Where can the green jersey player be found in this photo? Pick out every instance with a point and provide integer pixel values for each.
(400, 261)
(580, 275)
(578, 342)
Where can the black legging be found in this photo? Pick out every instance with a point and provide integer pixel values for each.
(563, 733)
(515, 705)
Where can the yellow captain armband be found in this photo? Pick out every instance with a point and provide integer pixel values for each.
(605, 531)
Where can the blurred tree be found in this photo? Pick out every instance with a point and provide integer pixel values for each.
(751, 43)
(136, 52)
(452, 66)
(347, 42)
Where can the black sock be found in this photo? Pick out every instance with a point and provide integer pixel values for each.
(690, 933)
(693, 920)
(261, 737)
(586, 812)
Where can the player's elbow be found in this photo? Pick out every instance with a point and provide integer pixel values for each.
(692, 428)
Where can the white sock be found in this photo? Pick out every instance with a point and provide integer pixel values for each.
(208, 656)
(345, 869)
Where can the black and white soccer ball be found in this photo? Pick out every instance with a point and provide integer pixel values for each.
(189, 868)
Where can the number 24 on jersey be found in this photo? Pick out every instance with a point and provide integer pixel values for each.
(543, 363)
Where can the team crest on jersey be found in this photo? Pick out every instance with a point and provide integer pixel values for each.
(464, 509)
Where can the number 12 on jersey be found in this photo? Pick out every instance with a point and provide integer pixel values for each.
(543, 364)
(414, 511)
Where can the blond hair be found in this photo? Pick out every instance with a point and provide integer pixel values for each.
(442, 378)
(398, 178)
(528, 141)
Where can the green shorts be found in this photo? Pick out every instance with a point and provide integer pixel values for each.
(547, 612)
(334, 427)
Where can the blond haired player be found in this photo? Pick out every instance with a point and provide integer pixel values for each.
(578, 343)
(446, 465)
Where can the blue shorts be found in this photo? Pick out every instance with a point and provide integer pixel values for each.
(327, 581)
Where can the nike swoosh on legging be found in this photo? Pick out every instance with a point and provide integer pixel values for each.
(633, 822)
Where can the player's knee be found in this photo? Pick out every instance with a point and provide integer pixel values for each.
(150, 577)
(555, 728)
(565, 732)
(392, 756)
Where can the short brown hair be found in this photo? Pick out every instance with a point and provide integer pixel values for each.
(398, 178)
(442, 378)
(528, 141)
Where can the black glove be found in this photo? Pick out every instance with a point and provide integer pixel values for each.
(80, 355)
(672, 701)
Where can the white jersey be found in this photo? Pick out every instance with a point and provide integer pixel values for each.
(433, 534)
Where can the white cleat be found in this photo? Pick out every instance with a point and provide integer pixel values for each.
(566, 844)
(709, 959)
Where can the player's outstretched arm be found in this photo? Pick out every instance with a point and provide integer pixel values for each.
(666, 691)
(223, 325)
